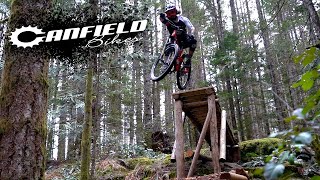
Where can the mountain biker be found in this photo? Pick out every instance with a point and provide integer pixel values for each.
(182, 22)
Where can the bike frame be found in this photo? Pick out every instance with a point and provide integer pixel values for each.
(179, 60)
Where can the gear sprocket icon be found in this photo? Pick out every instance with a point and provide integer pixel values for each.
(15, 41)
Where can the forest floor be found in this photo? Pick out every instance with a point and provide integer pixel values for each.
(129, 169)
(155, 169)
(160, 167)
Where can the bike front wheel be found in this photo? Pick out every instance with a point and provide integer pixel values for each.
(163, 65)
(183, 76)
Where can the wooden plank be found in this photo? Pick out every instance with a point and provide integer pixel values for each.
(179, 139)
(194, 104)
(201, 97)
(214, 137)
(201, 138)
(198, 91)
(223, 134)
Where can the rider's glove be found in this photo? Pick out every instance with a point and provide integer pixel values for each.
(191, 36)
(163, 18)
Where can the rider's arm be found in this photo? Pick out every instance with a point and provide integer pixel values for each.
(165, 21)
(189, 25)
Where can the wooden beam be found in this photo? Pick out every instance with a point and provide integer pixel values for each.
(201, 138)
(232, 176)
(198, 91)
(175, 96)
(179, 138)
(214, 136)
(223, 134)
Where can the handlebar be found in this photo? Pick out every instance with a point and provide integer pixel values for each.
(173, 25)
(179, 30)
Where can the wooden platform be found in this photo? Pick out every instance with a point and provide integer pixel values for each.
(196, 106)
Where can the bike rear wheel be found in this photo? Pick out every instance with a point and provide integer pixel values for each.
(183, 76)
(163, 65)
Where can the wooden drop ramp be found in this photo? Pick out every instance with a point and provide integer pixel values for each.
(202, 107)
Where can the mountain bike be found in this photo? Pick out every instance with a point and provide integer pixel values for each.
(172, 59)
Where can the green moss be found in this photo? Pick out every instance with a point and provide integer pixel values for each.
(6, 84)
(251, 155)
(290, 172)
(4, 126)
(204, 170)
(205, 152)
(173, 174)
(258, 147)
(44, 81)
(316, 147)
(111, 174)
(132, 163)
(255, 172)
(166, 160)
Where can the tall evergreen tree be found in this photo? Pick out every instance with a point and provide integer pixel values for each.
(23, 102)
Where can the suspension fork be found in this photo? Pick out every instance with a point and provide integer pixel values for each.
(179, 60)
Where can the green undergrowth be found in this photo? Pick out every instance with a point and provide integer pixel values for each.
(290, 172)
(133, 162)
(258, 147)
(115, 169)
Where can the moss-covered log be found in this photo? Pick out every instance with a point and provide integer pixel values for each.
(257, 147)
(23, 98)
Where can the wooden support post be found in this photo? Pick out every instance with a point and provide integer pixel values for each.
(202, 136)
(173, 154)
(223, 134)
(179, 138)
(214, 136)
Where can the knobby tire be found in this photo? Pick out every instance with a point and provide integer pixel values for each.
(172, 48)
(181, 85)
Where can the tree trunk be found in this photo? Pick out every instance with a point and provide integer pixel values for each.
(270, 64)
(71, 153)
(23, 99)
(50, 137)
(132, 107)
(169, 121)
(315, 21)
(147, 101)
(62, 122)
(96, 119)
(87, 127)
(138, 103)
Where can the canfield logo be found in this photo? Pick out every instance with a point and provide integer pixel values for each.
(99, 32)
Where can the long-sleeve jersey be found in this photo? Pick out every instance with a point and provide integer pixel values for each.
(183, 22)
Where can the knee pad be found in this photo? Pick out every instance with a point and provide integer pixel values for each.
(193, 44)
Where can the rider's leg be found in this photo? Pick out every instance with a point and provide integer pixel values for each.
(192, 46)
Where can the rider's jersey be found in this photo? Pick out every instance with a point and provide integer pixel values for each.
(183, 23)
